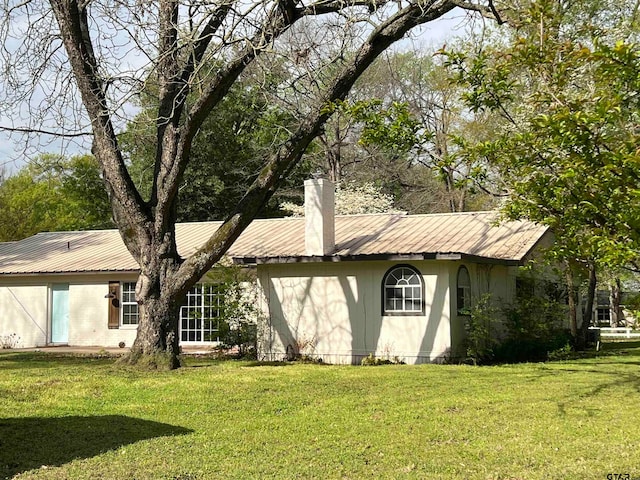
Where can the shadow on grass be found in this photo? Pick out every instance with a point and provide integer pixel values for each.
(28, 443)
(11, 360)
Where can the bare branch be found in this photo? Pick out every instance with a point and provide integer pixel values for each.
(45, 132)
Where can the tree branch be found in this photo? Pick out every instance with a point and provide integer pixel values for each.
(73, 23)
(288, 155)
(45, 132)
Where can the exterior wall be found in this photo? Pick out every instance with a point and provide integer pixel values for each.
(24, 313)
(25, 310)
(88, 317)
(334, 310)
(497, 281)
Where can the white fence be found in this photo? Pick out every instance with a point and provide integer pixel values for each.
(617, 332)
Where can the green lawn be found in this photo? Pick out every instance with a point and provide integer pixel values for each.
(64, 417)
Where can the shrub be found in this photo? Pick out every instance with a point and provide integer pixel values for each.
(534, 329)
(238, 311)
(480, 340)
(9, 341)
(372, 360)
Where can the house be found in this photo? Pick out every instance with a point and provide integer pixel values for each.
(338, 287)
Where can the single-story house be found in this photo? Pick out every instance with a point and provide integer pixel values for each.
(343, 287)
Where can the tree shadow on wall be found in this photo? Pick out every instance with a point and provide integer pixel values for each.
(28, 443)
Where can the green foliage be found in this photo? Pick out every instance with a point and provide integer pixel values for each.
(239, 312)
(372, 360)
(227, 154)
(564, 352)
(53, 193)
(401, 129)
(480, 339)
(392, 127)
(567, 149)
(534, 327)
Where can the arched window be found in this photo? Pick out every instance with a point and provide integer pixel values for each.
(402, 291)
(463, 291)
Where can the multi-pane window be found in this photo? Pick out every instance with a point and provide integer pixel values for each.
(463, 290)
(403, 291)
(199, 317)
(603, 314)
(129, 304)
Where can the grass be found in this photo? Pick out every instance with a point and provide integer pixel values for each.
(66, 417)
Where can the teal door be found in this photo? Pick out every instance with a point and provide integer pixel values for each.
(60, 313)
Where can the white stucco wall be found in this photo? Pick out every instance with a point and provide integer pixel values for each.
(88, 315)
(23, 312)
(338, 306)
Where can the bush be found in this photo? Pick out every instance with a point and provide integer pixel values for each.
(9, 341)
(480, 339)
(372, 360)
(239, 334)
(514, 350)
(534, 329)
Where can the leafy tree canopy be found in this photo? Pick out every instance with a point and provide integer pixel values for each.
(567, 148)
(226, 157)
(53, 193)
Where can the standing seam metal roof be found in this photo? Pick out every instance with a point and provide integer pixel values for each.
(472, 234)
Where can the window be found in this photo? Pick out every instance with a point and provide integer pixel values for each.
(199, 318)
(463, 291)
(403, 291)
(603, 315)
(129, 304)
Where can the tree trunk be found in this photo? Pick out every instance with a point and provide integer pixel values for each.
(159, 295)
(587, 314)
(156, 344)
(571, 293)
(614, 301)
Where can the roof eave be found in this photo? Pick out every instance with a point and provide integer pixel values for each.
(451, 256)
(69, 273)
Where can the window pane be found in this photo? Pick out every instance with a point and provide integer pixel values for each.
(463, 290)
(415, 305)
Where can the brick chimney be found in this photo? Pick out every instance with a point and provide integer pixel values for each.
(319, 213)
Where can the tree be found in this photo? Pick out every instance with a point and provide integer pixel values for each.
(249, 120)
(404, 128)
(196, 51)
(53, 193)
(420, 80)
(567, 88)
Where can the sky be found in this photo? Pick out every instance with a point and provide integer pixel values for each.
(12, 150)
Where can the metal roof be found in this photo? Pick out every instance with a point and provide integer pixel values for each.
(473, 234)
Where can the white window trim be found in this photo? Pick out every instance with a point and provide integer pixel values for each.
(405, 298)
(202, 311)
(123, 325)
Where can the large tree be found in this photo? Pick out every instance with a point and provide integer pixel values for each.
(567, 87)
(196, 51)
